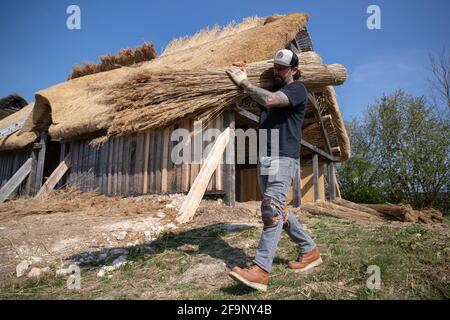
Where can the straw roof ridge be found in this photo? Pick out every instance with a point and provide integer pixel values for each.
(125, 57)
(210, 34)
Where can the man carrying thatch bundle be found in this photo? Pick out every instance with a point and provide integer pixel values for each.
(283, 109)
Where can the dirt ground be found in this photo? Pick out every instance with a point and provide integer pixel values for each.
(67, 226)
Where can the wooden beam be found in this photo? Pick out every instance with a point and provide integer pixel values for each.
(41, 161)
(15, 180)
(315, 163)
(56, 175)
(319, 119)
(338, 190)
(30, 184)
(331, 181)
(248, 115)
(336, 150)
(200, 184)
(319, 151)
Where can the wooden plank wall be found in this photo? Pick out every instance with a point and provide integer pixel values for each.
(10, 162)
(139, 163)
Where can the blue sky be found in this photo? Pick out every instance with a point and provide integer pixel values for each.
(37, 50)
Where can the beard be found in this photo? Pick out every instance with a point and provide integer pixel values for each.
(278, 82)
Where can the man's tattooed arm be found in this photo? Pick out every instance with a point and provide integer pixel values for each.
(265, 98)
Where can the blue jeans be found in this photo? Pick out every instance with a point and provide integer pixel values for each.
(275, 177)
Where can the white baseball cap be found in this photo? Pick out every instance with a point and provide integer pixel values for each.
(286, 57)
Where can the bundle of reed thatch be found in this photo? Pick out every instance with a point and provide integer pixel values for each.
(156, 99)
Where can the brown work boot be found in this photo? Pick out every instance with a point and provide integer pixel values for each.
(306, 261)
(253, 276)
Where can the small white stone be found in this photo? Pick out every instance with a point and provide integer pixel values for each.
(161, 215)
(108, 268)
(148, 236)
(170, 205)
(121, 236)
(171, 226)
(22, 268)
(62, 272)
(35, 259)
(35, 273)
(101, 273)
(120, 261)
(219, 201)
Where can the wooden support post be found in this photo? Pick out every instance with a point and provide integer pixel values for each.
(30, 184)
(229, 176)
(315, 162)
(297, 187)
(15, 180)
(200, 184)
(41, 161)
(331, 181)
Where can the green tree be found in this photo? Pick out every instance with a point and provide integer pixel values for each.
(400, 154)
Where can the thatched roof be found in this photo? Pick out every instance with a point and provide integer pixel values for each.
(10, 104)
(16, 141)
(83, 105)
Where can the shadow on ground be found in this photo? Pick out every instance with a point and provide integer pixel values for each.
(199, 241)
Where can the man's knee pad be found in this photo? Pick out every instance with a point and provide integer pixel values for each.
(268, 213)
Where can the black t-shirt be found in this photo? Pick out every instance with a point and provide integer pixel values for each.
(288, 120)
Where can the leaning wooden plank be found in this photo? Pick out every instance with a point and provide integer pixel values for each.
(56, 175)
(15, 180)
(200, 184)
